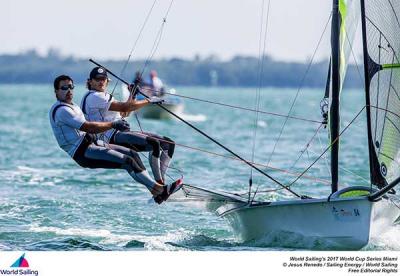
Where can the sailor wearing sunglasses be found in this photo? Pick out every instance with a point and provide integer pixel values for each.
(76, 136)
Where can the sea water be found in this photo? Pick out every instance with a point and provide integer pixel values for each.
(49, 203)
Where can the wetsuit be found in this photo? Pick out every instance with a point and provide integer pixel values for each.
(89, 152)
(95, 106)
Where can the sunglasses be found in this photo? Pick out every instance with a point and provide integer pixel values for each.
(67, 87)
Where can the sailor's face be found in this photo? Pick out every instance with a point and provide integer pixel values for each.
(99, 84)
(65, 90)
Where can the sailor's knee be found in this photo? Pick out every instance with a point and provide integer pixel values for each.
(134, 163)
(169, 145)
(155, 144)
(169, 140)
(134, 154)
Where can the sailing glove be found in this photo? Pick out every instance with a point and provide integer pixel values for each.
(155, 100)
(121, 125)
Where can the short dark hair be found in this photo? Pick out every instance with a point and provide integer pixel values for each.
(61, 78)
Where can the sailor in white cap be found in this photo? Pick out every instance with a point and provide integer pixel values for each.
(75, 135)
(99, 105)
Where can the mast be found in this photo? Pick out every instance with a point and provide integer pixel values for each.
(334, 110)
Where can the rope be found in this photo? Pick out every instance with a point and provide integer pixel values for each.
(261, 59)
(329, 146)
(157, 39)
(307, 146)
(241, 108)
(326, 159)
(153, 50)
(346, 170)
(299, 175)
(206, 135)
(300, 87)
(237, 159)
(134, 45)
(354, 57)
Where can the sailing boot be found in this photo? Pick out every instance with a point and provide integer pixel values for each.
(169, 190)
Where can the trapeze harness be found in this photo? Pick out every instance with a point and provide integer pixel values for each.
(111, 140)
(79, 155)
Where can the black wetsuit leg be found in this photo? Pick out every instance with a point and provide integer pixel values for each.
(161, 149)
(115, 157)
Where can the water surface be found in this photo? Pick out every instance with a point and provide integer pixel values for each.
(50, 203)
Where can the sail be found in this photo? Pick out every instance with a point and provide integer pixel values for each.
(349, 18)
(345, 18)
(381, 40)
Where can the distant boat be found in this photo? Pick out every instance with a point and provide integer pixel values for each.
(173, 104)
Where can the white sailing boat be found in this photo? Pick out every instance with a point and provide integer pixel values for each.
(349, 217)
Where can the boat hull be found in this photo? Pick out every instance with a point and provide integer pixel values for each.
(345, 224)
(155, 112)
(173, 104)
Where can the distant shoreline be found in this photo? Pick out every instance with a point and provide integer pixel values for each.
(240, 71)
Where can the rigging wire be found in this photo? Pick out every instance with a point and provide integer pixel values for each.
(130, 55)
(298, 92)
(300, 87)
(340, 167)
(265, 166)
(361, 78)
(354, 56)
(326, 159)
(156, 44)
(310, 177)
(346, 170)
(261, 58)
(207, 136)
(157, 39)
(307, 146)
(327, 148)
(153, 50)
(359, 73)
(135, 44)
(242, 108)
(237, 159)
(318, 158)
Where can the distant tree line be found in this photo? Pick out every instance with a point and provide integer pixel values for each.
(30, 67)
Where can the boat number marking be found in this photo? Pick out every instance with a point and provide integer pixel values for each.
(345, 214)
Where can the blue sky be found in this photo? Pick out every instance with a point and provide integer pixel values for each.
(108, 29)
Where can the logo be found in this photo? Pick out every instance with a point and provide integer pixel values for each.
(345, 214)
(21, 262)
(100, 70)
(383, 169)
(19, 267)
